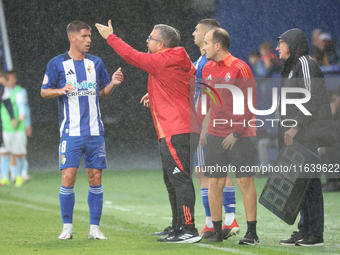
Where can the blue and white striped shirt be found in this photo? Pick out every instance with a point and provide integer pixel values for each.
(79, 113)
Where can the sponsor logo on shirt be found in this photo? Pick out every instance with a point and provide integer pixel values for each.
(89, 89)
(81, 93)
(82, 85)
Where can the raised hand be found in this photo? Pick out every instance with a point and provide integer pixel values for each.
(118, 76)
(105, 31)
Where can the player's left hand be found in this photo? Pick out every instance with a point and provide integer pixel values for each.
(289, 135)
(229, 142)
(14, 123)
(145, 100)
(118, 76)
(105, 31)
(29, 131)
(21, 118)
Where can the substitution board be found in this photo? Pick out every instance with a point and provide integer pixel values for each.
(286, 187)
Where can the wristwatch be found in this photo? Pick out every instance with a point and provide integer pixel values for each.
(236, 134)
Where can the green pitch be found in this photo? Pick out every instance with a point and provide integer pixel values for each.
(135, 205)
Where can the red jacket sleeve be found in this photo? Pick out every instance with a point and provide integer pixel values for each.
(145, 61)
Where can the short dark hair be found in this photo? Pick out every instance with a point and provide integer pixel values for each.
(76, 26)
(210, 23)
(7, 73)
(266, 46)
(254, 53)
(11, 72)
(170, 36)
(222, 37)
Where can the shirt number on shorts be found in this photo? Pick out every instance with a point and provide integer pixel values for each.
(63, 146)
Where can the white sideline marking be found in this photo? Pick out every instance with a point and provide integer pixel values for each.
(166, 218)
(117, 208)
(121, 208)
(77, 217)
(235, 251)
(84, 219)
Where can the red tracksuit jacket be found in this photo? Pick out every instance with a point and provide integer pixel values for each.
(171, 86)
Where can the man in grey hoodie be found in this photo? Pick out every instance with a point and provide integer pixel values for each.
(301, 71)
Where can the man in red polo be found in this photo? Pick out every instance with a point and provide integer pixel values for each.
(230, 137)
(169, 97)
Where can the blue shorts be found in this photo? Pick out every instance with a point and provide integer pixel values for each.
(199, 158)
(92, 148)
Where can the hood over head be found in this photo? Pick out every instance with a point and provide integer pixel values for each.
(181, 57)
(297, 43)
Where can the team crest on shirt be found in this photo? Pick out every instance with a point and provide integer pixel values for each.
(63, 159)
(89, 69)
(290, 74)
(45, 81)
(227, 77)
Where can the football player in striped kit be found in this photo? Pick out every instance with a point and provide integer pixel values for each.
(77, 79)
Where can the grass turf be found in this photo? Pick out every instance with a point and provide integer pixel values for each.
(135, 205)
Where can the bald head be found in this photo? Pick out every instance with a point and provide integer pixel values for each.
(216, 44)
(219, 35)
